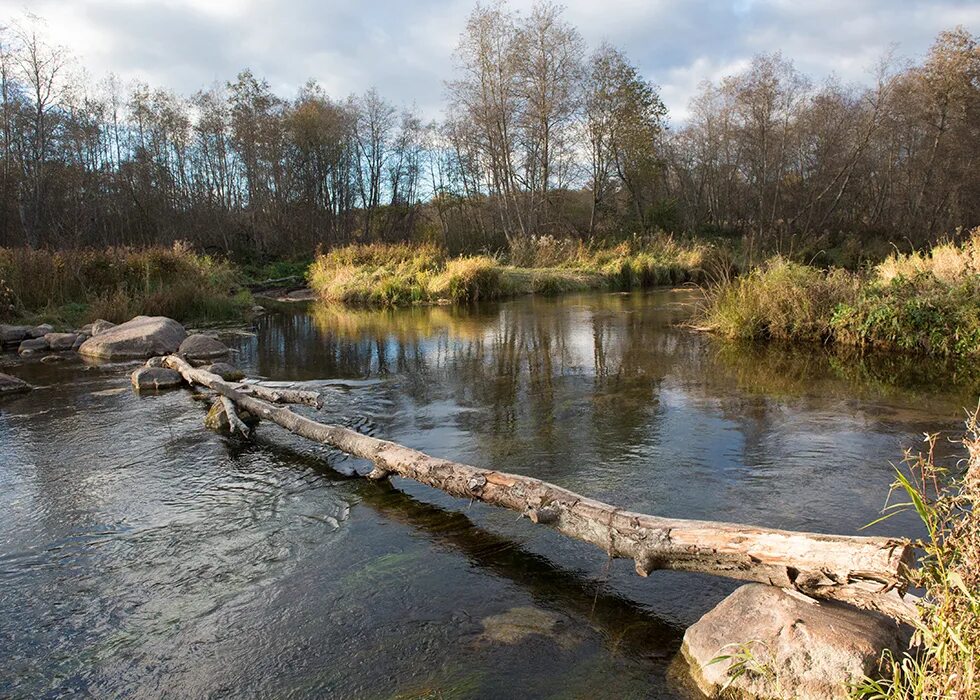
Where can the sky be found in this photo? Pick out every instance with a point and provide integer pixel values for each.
(404, 48)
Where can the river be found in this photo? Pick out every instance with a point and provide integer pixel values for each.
(142, 555)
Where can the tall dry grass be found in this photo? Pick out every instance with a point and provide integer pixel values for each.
(925, 302)
(75, 286)
(399, 274)
(943, 661)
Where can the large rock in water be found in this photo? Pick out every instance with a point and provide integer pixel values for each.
(143, 336)
(61, 341)
(202, 347)
(155, 378)
(13, 335)
(800, 648)
(12, 385)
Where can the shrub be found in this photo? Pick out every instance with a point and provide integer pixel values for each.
(921, 302)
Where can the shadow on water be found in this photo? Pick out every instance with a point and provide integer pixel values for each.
(626, 628)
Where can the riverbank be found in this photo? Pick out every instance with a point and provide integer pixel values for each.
(403, 274)
(923, 302)
(72, 287)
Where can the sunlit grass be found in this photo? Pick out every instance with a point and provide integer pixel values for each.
(924, 302)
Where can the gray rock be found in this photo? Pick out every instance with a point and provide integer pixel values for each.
(257, 309)
(79, 339)
(12, 335)
(155, 378)
(141, 337)
(52, 359)
(100, 326)
(61, 341)
(87, 329)
(32, 346)
(202, 347)
(155, 362)
(12, 385)
(226, 371)
(40, 331)
(799, 648)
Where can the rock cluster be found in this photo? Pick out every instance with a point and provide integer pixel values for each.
(142, 337)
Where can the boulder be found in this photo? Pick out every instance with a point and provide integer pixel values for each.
(61, 341)
(202, 347)
(155, 361)
(12, 385)
(79, 339)
(789, 645)
(100, 326)
(257, 309)
(52, 359)
(13, 335)
(143, 336)
(40, 331)
(228, 372)
(32, 346)
(155, 378)
(87, 329)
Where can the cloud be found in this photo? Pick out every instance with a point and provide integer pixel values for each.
(405, 48)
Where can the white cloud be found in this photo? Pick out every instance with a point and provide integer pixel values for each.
(405, 48)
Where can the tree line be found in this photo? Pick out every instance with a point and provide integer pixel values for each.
(540, 135)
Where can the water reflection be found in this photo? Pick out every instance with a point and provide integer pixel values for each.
(141, 554)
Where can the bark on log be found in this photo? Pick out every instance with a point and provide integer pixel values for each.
(277, 395)
(865, 571)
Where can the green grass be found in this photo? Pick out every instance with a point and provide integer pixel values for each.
(402, 274)
(925, 303)
(69, 288)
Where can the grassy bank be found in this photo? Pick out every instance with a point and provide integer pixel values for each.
(923, 302)
(69, 288)
(395, 275)
(944, 661)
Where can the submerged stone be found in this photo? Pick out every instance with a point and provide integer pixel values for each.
(10, 384)
(788, 645)
(517, 624)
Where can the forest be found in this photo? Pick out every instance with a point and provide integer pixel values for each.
(540, 135)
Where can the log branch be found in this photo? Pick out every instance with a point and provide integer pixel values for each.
(869, 572)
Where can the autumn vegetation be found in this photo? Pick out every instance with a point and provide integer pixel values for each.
(542, 138)
(920, 302)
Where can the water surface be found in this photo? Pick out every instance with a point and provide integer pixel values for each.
(142, 555)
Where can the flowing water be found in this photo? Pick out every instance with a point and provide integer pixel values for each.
(142, 555)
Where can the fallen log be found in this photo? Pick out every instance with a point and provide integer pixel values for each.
(869, 572)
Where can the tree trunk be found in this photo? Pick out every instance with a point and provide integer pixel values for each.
(864, 571)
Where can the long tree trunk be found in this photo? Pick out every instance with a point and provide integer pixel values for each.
(859, 570)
